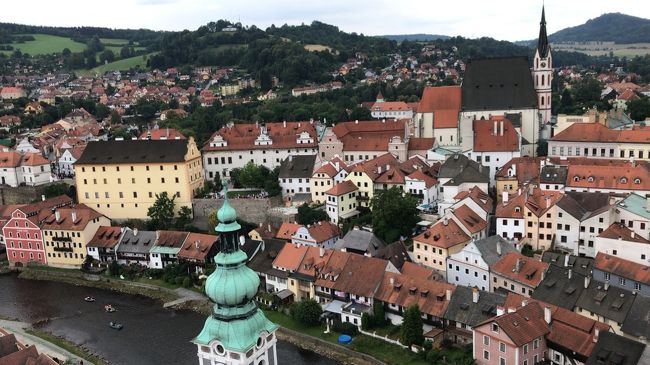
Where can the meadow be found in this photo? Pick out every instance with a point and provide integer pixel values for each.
(46, 44)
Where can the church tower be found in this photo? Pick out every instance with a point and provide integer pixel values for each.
(237, 332)
(543, 73)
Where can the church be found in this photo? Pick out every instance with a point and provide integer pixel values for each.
(504, 86)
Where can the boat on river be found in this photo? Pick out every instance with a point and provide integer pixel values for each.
(109, 308)
(115, 325)
(89, 299)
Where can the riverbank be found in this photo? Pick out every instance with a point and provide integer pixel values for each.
(51, 345)
(364, 351)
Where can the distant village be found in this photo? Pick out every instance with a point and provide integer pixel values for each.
(531, 258)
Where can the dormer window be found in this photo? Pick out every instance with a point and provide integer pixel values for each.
(576, 178)
(637, 181)
(623, 180)
(495, 327)
(590, 179)
(517, 209)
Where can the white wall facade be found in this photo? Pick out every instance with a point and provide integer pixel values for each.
(10, 176)
(509, 228)
(631, 251)
(493, 160)
(292, 186)
(35, 175)
(467, 268)
(66, 162)
(593, 149)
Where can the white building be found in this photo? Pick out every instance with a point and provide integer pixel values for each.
(391, 110)
(422, 186)
(295, 174)
(341, 201)
(496, 142)
(620, 241)
(510, 220)
(35, 170)
(594, 140)
(233, 146)
(581, 217)
(67, 160)
(321, 234)
(634, 212)
(471, 266)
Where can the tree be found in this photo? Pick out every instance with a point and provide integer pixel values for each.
(360, 113)
(639, 109)
(411, 332)
(307, 312)
(307, 215)
(250, 176)
(184, 217)
(102, 111)
(107, 56)
(161, 213)
(394, 214)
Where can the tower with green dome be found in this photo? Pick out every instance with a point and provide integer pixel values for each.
(237, 332)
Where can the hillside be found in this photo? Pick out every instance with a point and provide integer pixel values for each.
(612, 27)
(414, 37)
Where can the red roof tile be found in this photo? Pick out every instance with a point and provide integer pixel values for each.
(618, 266)
(444, 102)
(505, 139)
(284, 135)
(443, 235)
(472, 221)
(341, 188)
(287, 230)
(197, 246)
(106, 237)
(405, 291)
(528, 273)
(596, 132)
(324, 230)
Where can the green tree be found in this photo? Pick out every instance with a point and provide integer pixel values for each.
(106, 56)
(411, 332)
(250, 176)
(102, 111)
(161, 213)
(360, 113)
(308, 215)
(115, 117)
(639, 109)
(184, 217)
(307, 312)
(394, 214)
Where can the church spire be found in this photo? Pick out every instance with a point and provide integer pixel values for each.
(542, 41)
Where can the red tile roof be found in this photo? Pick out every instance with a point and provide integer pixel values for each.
(9, 159)
(290, 257)
(84, 215)
(525, 169)
(197, 246)
(171, 238)
(596, 132)
(341, 188)
(620, 175)
(312, 262)
(540, 201)
(479, 197)
(443, 235)
(242, 136)
(528, 273)
(390, 106)
(106, 237)
(618, 231)
(287, 230)
(618, 266)
(361, 275)
(418, 271)
(420, 144)
(393, 175)
(444, 102)
(505, 139)
(524, 325)
(405, 291)
(34, 159)
(472, 221)
(371, 135)
(332, 269)
(323, 230)
(514, 208)
(162, 133)
(419, 175)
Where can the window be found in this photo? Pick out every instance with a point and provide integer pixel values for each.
(486, 340)
(637, 286)
(536, 345)
(502, 347)
(607, 276)
(486, 354)
(495, 327)
(502, 361)
(621, 281)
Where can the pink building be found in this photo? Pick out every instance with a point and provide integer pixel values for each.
(23, 236)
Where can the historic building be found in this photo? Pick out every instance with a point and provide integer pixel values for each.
(120, 179)
(543, 72)
(236, 332)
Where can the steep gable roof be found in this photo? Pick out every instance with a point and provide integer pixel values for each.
(621, 267)
(520, 268)
(445, 233)
(444, 102)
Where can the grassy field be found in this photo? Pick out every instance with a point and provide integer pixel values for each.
(604, 48)
(46, 44)
(116, 41)
(319, 48)
(67, 345)
(119, 65)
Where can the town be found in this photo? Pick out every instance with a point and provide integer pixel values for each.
(452, 209)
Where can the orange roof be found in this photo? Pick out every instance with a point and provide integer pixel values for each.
(197, 246)
(405, 290)
(479, 197)
(162, 133)
(596, 132)
(472, 221)
(528, 273)
(514, 208)
(444, 102)
(540, 200)
(393, 175)
(443, 235)
(372, 135)
(284, 135)
(390, 106)
(84, 215)
(290, 257)
(9, 159)
(106, 237)
(323, 230)
(525, 169)
(418, 271)
(621, 267)
(312, 261)
(505, 139)
(373, 168)
(419, 175)
(420, 144)
(287, 230)
(341, 188)
(618, 231)
(332, 268)
(326, 169)
(34, 159)
(369, 269)
(622, 175)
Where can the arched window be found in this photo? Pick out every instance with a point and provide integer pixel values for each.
(637, 181)
(623, 180)
(590, 179)
(576, 178)
(543, 80)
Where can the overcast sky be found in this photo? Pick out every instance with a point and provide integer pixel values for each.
(500, 19)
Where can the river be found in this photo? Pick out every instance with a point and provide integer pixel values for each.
(151, 335)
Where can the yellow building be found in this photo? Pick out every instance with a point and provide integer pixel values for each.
(230, 89)
(443, 239)
(363, 180)
(67, 231)
(539, 214)
(120, 179)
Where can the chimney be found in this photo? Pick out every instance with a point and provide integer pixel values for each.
(501, 128)
(74, 215)
(606, 286)
(284, 124)
(500, 310)
(43, 197)
(445, 221)
(511, 310)
(547, 314)
(356, 121)
(524, 302)
(135, 231)
(494, 133)
(566, 260)
(548, 202)
(196, 244)
(499, 248)
(57, 215)
(633, 234)
(448, 294)
(321, 252)
(518, 265)
(475, 295)
(504, 198)
(596, 334)
(569, 274)
(392, 281)
(587, 280)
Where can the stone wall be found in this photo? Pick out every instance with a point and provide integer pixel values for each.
(24, 194)
(250, 210)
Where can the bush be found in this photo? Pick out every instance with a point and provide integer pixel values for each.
(113, 268)
(365, 321)
(178, 280)
(346, 328)
(187, 282)
(307, 312)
